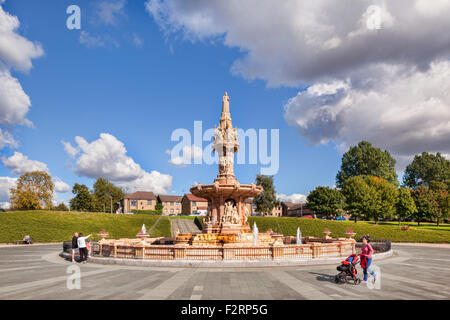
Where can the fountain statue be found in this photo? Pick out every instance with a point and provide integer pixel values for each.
(299, 236)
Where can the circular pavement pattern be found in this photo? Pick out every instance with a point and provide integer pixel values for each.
(37, 272)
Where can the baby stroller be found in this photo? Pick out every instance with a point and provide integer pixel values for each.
(348, 270)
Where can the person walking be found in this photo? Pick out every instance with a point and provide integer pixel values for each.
(366, 258)
(74, 245)
(82, 247)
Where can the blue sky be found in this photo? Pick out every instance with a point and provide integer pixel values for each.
(136, 77)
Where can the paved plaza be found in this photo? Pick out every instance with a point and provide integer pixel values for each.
(37, 272)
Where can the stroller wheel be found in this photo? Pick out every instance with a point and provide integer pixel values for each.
(358, 281)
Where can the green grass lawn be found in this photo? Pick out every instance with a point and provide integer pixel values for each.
(384, 230)
(53, 226)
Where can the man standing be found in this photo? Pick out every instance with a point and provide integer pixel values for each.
(82, 248)
(74, 245)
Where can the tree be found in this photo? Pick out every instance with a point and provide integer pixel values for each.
(442, 200)
(366, 160)
(103, 190)
(266, 200)
(384, 198)
(61, 207)
(425, 203)
(358, 197)
(406, 207)
(326, 201)
(159, 207)
(83, 200)
(425, 168)
(34, 191)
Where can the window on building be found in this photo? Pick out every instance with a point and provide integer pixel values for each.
(193, 203)
(134, 203)
(178, 211)
(149, 202)
(171, 210)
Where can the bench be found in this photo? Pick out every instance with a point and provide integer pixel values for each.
(23, 242)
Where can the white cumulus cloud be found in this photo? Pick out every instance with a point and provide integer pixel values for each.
(388, 85)
(6, 183)
(19, 164)
(106, 157)
(15, 52)
(7, 139)
(295, 197)
(188, 154)
(405, 114)
(61, 186)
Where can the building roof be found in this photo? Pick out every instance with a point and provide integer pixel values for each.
(293, 206)
(169, 198)
(141, 195)
(191, 197)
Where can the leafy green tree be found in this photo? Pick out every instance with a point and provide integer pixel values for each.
(425, 203)
(406, 207)
(358, 197)
(384, 197)
(103, 192)
(33, 191)
(266, 200)
(425, 168)
(366, 160)
(326, 201)
(83, 200)
(442, 200)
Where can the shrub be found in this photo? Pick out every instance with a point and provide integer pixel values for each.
(157, 212)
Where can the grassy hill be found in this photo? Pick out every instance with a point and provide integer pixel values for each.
(51, 226)
(315, 227)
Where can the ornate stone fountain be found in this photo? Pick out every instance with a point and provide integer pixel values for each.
(226, 233)
(226, 208)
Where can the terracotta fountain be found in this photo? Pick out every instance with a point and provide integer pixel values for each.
(226, 208)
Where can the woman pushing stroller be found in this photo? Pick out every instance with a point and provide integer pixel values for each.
(366, 258)
(348, 266)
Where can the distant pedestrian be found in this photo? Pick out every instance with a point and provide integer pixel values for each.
(82, 247)
(366, 258)
(27, 239)
(74, 245)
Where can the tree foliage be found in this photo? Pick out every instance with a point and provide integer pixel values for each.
(326, 201)
(366, 160)
(442, 200)
(34, 191)
(358, 196)
(385, 197)
(103, 190)
(83, 200)
(405, 206)
(425, 203)
(266, 200)
(425, 168)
